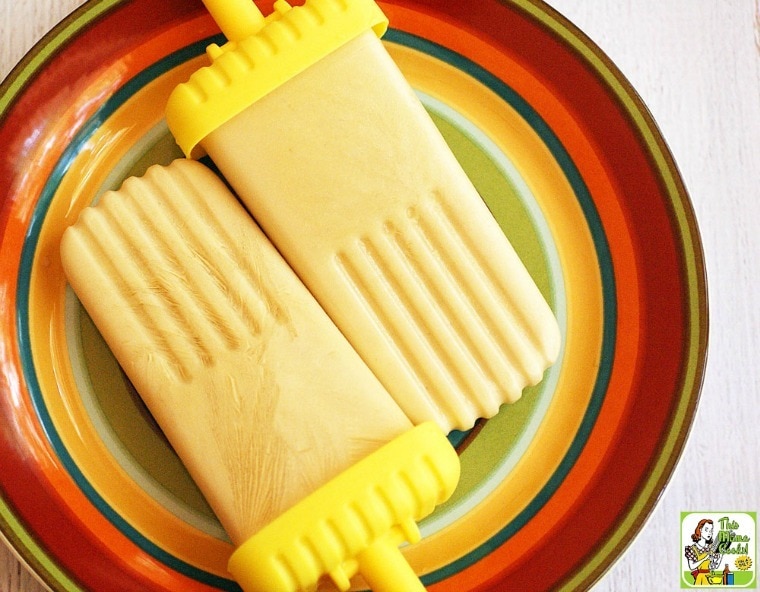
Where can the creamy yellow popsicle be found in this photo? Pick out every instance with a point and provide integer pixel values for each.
(318, 132)
(261, 396)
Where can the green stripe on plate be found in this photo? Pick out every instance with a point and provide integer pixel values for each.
(18, 539)
(34, 60)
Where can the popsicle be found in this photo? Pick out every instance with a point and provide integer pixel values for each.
(308, 463)
(312, 123)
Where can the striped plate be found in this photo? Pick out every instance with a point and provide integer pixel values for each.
(570, 163)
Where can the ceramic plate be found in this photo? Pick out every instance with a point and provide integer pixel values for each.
(571, 165)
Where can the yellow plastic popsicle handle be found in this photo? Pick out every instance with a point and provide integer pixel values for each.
(237, 19)
(384, 568)
(355, 523)
(263, 54)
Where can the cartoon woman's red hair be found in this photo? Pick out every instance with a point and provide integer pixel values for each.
(698, 531)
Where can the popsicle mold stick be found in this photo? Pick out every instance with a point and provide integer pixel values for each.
(258, 392)
(238, 19)
(348, 176)
(355, 523)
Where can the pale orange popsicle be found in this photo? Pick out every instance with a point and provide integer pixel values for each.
(316, 129)
(261, 396)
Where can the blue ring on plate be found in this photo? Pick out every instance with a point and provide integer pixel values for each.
(435, 50)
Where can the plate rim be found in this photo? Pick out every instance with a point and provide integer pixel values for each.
(15, 84)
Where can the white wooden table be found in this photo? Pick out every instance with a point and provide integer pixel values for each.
(696, 64)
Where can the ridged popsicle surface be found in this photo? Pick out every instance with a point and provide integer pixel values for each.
(347, 174)
(259, 393)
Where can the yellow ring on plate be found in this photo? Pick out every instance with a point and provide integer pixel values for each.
(91, 170)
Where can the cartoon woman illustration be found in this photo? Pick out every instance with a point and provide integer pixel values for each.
(702, 556)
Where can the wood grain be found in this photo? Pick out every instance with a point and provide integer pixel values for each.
(696, 64)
